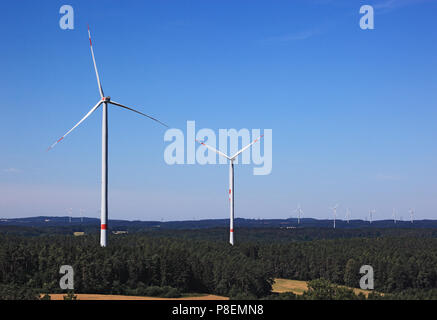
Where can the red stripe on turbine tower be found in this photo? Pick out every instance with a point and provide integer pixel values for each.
(232, 230)
(104, 227)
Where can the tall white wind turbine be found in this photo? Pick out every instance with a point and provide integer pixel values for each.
(104, 101)
(334, 210)
(231, 182)
(299, 212)
(394, 215)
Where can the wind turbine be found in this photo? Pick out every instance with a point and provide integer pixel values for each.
(371, 213)
(348, 215)
(299, 212)
(104, 100)
(394, 215)
(412, 215)
(70, 212)
(231, 182)
(334, 209)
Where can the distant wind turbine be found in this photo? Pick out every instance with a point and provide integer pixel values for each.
(394, 215)
(371, 213)
(231, 182)
(70, 212)
(334, 210)
(104, 101)
(299, 212)
(412, 215)
(348, 215)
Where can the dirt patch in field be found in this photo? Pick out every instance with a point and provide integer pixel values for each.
(83, 296)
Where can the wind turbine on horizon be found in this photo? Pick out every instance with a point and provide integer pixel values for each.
(70, 212)
(231, 182)
(299, 212)
(412, 215)
(371, 213)
(394, 215)
(334, 209)
(348, 215)
(104, 100)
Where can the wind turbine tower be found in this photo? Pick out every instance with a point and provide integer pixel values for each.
(231, 182)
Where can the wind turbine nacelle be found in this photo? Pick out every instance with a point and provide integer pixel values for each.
(106, 99)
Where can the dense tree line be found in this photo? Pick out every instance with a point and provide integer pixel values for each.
(131, 265)
(169, 263)
(398, 263)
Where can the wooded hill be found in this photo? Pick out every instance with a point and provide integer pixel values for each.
(201, 261)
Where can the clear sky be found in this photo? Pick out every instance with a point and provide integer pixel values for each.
(353, 112)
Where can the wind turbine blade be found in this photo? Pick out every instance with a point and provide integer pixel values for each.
(215, 150)
(246, 147)
(82, 120)
(143, 114)
(95, 66)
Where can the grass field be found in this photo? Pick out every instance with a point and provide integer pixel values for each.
(298, 287)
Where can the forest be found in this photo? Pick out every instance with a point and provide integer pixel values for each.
(170, 263)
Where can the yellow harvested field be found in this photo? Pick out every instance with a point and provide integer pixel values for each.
(279, 286)
(286, 285)
(365, 292)
(298, 287)
(82, 296)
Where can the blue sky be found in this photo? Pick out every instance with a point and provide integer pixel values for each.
(353, 112)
